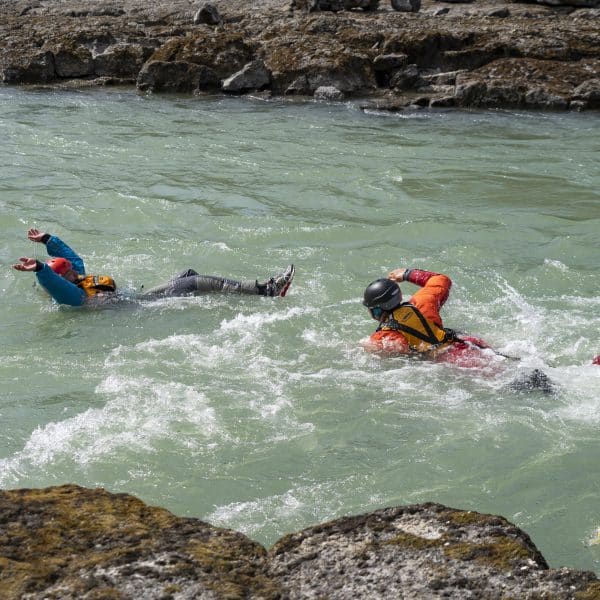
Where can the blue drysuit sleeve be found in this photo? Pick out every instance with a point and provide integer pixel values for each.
(63, 291)
(56, 247)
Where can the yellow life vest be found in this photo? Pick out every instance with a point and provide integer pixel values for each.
(421, 334)
(96, 284)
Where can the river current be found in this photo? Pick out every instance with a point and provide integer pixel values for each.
(265, 415)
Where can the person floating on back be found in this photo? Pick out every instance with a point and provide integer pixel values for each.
(63, 276)
(416, 327)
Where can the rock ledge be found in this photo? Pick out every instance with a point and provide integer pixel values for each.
(479, 53)
(70, 542)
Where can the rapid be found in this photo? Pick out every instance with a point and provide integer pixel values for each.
(265, 415)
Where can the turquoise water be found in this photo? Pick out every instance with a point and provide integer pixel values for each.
(265, 415)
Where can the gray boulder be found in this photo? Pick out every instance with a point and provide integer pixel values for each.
(121, 60)
(501, 12)
(334, 5)
(540, 98)
(254, 76)
(407, 78)
(300, 86)
(406, 5)
(389, 62)
(208, 14)
(328, 93)
(577, 3)
(29, 68)
(588, 91)
(73, 62)
(176, 76)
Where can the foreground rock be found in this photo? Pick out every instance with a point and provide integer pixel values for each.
(74, 543)
(481, 53)
(70, 542)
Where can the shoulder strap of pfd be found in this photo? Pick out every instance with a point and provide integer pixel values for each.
(426, 334)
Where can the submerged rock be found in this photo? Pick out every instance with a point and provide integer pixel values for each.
(533, 380)
(70, 542)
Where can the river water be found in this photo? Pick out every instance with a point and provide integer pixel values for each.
(265, 415)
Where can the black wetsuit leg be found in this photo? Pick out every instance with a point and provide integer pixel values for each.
(189, 283)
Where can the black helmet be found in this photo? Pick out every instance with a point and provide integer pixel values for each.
(383, 293)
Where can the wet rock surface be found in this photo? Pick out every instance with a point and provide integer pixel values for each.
(71, 542)
(509, 54)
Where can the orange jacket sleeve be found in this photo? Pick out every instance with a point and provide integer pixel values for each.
(433, 295)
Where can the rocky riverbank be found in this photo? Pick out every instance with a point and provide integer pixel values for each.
(70, 542)
(412, 53)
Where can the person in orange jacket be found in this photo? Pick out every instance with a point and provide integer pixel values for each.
(416, 327)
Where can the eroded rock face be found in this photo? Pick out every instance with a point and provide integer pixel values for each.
(419, 552)
(70, 543)
(522, 54)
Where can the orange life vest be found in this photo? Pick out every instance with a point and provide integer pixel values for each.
(96, 284)
(421, 334)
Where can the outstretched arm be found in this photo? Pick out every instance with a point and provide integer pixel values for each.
(56, 247)
(35, 235)
(27, 264)
(63, 291)
(434, 292)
